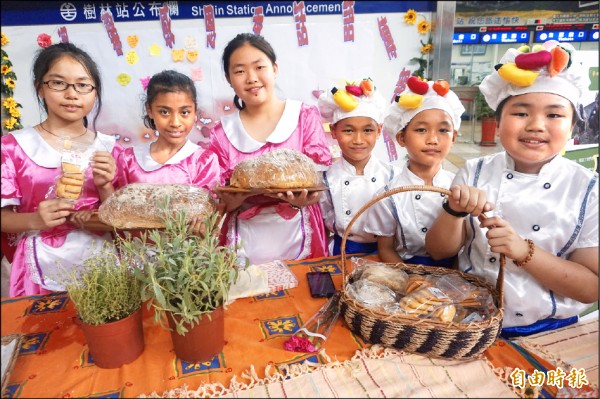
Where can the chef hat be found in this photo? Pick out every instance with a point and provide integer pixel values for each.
(550, 69)
(419, 96)
(361, 99)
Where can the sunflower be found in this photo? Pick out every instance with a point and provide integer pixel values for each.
(14, 112)
(410, 17)
(10, 123)
(426, 48)
(4, 39)
(423, 27)
(5, 69)
(10, 82)
(9, 103)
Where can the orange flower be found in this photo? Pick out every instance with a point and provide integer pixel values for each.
(423, 26)
(410, 17)
(5, 39)
(426, 49)
(5, 69)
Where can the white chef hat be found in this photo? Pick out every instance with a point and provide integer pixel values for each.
(370, 104)
(536, 72)
(436, 96)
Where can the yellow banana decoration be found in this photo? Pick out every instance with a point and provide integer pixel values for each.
(517, 76)
(410, 101)
(343, 99)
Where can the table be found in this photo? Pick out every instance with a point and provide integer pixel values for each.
(54, 362)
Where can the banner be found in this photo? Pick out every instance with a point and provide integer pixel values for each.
(318, 45)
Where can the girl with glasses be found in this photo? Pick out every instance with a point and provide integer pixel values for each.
(44, 200)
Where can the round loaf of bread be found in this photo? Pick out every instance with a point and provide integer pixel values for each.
(138, 205)
(282, 168)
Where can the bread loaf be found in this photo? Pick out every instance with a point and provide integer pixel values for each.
(137, 205)
(282, 168)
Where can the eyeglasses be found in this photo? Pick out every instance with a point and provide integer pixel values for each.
(59, 85)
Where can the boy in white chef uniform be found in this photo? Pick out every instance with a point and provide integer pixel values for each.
(545, 207)
(425, 119)
(353, 180)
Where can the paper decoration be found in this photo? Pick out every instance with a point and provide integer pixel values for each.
(197, 74)
(209, 21)
(178, 55)
(62, 34)
(132, 57)
(165, 23)
(190, 43)
(257, 20)
(300, 20)
(133, 40)
(123, 79)
(111, 30)
(192, 55)
(44, 40)
(386, 36)
(348, 14)
(145, 82)
(154, 50)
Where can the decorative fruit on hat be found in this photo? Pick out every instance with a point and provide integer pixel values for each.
(354, 90)
(441, 87)
(417, 85)
(409, 100)
(367, 86)
(510, 72)
(561, 59)
(533, 60)
(343, 99)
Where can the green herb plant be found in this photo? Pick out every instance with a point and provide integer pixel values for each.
(482, 109)
(182, 273)
(103, 288)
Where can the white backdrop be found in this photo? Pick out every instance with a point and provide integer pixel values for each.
(303, 70)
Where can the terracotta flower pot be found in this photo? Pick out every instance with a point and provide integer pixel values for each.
(115, 344)
(203, 341)
(488, 132)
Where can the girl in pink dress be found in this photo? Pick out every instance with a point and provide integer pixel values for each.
(171, 110)
(284, 226)
(68, 86)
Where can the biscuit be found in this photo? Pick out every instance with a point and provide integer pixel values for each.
(445, 313)
(69, 180)
(415, 282)
(61, 192)
(70, 168)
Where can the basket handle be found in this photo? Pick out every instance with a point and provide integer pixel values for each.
(499, 282)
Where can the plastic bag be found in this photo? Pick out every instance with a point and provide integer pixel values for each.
(313, 334)
(75, 159)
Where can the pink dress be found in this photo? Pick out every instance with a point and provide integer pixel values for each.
(30, 166)
(190, 165)
(269, 229)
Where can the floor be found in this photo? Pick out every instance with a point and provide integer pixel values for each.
(467, 146)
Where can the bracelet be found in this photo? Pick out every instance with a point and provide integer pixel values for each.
(529, 255)
(451, 211)
(294, 206)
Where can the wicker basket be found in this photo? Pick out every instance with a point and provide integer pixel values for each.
(6, 339)
(432, 338)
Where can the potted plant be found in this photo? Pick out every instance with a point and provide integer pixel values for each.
(186, 279)
(107, 298)
(487, 116)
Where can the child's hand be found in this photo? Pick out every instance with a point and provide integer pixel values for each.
(197, 226)
(468, 199)
(80, 217)
(503, 239)
(300, 199)
(53, 213)
(232, 201)
(103, 168)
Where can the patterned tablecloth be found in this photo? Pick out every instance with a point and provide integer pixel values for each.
(54, 360)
